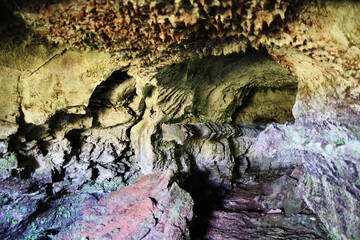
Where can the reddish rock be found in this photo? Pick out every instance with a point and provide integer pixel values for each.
(151, 208)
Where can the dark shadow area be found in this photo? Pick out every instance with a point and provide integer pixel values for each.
(27, 164)
(28, 131)
(11, 23)
(57, 175)
(61, 119)
(34, 4)
(42, 206)
(75, 138)
(43, 146)
(267, 105)
(49, 234)
(100, 99)
(242, 211)
(206, 200)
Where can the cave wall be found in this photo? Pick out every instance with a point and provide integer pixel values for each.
(322, 51)
(92, 119)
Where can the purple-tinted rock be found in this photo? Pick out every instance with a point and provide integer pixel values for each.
(151, 208)
(276, 194)
(254, 225)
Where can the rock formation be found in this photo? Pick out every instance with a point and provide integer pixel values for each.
(146, 209)
(195, 119)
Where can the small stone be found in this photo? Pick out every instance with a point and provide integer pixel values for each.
(274, 211)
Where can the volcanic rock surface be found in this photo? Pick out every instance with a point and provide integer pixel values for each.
(150, 208)
(254, 105)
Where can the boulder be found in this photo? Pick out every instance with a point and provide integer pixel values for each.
(150, 208)
(64, 81)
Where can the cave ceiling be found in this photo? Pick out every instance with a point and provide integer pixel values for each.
(317, 41)
(158, 28)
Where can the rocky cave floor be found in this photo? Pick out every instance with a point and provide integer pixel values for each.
(38, 203)
(255, 206)
(259, 206)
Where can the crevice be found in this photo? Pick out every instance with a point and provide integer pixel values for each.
(146, 234)
(26, 131)
(42, 65)
(206, 200)
(100, 98)
(57, 175)
(75, 138)
(139, 117)
(27, 164)
(42, 206)
(94, 171)
(153, 200)
(19, 96)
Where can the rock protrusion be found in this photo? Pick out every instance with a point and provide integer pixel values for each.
(150, 208)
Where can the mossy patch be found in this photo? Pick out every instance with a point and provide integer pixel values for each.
(147, 90)
(8, 162)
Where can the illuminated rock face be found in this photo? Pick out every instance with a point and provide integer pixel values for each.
(230, 94)
(150, 208)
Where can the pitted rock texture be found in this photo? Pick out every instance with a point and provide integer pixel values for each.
(311, 31)
(322, 50)
(140, 30)
(150, 208)
(139, 27)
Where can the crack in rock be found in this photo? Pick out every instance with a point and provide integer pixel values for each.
(46, 62)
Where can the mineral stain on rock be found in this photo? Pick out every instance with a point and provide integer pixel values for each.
(179, 119)
(150, 208)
